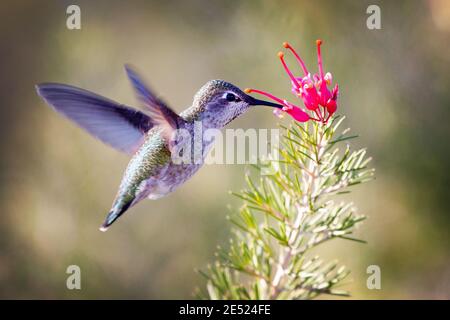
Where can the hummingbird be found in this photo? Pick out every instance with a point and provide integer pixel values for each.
(150, 137)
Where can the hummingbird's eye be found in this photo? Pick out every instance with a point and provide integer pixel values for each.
(231, 97)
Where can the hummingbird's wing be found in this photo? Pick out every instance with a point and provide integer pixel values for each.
(160, 114)
(119, 126)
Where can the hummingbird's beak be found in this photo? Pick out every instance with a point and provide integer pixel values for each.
(256, 102)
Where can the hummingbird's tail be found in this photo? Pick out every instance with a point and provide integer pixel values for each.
(117, 210)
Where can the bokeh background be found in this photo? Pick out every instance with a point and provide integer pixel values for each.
(57, 183)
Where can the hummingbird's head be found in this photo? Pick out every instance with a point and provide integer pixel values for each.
(219, 102)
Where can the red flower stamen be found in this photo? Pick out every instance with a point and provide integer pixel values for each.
(319, 58)
(271, 96)
(300, 60)
(288, 71)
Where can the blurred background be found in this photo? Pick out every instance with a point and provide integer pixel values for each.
(57, 183)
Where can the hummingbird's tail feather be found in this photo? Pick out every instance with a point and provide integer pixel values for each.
(117, 210)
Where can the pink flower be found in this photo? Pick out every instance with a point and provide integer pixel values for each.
(313, 90)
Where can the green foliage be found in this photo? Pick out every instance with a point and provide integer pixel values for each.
(287, 214)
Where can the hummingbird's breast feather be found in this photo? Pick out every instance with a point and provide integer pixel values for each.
(151, 158)
(173, 175)
(151, 172)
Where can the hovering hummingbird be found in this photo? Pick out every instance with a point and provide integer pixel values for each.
(148, 137)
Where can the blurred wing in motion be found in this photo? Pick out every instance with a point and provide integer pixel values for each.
(119, 126)
(159, 112)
